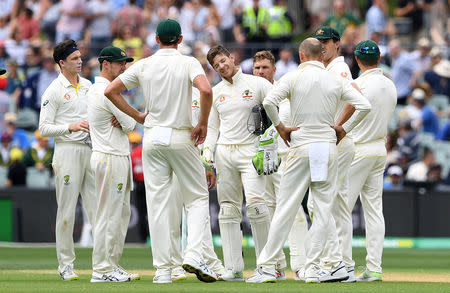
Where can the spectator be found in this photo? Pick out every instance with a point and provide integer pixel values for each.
(99, 18)
(138, 177)
(422, 59)
(18, 136)
(444, 134)
(412, 10)
(407, 143)
(4, 29)
(17, 172)
(377, 21)
(434, 173)
(418, 171)
(6, 8)
(16, 47)
(439, 83)
(341, 19)
(442, 69)
(281, 24)
(5, 149)
(130, 44)
(72, 20)
(394, 180)
(40, 155)
(428, 120)
(30, 28)
(13, 77)
(49, 16)
(206, 19)
(33, 61)
(150, 19)
(285, 64)
(128, 16)
(403, 67)
(227, 21)
(35, 85)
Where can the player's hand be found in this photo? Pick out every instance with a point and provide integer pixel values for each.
(340, 133)
(198, 134)
(79, 126)
(141, 117)
(285, 132)
(207, 159)
(266, 160)
(115, 122)
(210, 178)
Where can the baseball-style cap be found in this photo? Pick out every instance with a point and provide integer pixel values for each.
(10, 117)
(168, 30)
(367, 50)
(395, 170)
(326, 32)
(418, 94)
(113, 54)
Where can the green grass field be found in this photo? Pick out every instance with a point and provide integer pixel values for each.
(33, 269)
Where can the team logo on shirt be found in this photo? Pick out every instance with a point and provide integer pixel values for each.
(221, 99)
(45, 103)
(344, 74)
(66, 98)
(66, 179)
(119, 187)
(195, 104)
(247, 95)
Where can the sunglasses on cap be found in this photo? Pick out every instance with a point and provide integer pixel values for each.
(368, 50)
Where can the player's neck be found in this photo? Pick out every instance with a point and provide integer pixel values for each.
(106, 76)
(326, 63)
(230, 79)
(72, 77)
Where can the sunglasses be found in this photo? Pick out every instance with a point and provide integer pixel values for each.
(368, 50)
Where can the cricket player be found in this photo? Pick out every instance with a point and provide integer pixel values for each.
(368, 165)
(233, 100)
(111, 163)
(169, 145)
(209, 255)
(340, 212)
(264, 66)
(64, 117)
(314, 94)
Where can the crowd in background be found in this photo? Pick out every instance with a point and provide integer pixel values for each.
(413, 36)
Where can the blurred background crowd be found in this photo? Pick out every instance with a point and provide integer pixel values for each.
(413, 36)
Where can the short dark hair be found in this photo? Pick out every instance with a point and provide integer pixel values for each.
(168, 41)
(261, 55)
(368, 62)
(61, 48)
(216, 50)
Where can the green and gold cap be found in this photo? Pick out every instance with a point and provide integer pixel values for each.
(168, 30)
(113, 54)
(367, 50)
(326, 32)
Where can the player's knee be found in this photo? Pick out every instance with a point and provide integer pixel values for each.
(258, 211)
(229, 213)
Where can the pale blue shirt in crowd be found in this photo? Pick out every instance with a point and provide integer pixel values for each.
(44, 81)
(375, 21)
(402, 69)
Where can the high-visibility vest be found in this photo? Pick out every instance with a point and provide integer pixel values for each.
(279, 24)
(253, 23)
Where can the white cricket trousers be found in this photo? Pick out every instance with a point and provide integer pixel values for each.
(341, 219)
(299, 229)
(234, 170)
(366, 173)
(113, 184)
(73, 176)
(295, 182)
(181, 158)
(208, 253)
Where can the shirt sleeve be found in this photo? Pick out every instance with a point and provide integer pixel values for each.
(130, 77)
(357, 100)
(195, 69)
(213, 128)
(277, 94)
(125, 121)
(49, 107)
(264, 87)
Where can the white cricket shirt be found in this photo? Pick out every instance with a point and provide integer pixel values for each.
(166, 79)
(338, 67)
(232, 105)
(106, 138)
(314, 94)
(63, 104)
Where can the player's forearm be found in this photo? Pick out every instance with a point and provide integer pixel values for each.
(205, 106)
(112, 92)
(52, 130)
(272, 112)
(345, 115)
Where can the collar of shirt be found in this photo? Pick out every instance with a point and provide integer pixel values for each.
(235, 77)
(335, 60)
(311, 63)
(167, 52)
(372, 71)
(66, 83)
(100, 79)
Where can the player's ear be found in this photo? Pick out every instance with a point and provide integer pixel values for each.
(180, 39)
(158, 41)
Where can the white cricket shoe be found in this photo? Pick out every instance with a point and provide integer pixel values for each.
(351, 275)
(201, 270)
(312, 276)
(281, 276)
(68, 274)
(368, 276)
(132, 276)
(300, 275)
(231, 276)
(220, 272)
(178, 274)
(335, 274)
(259, 276)
(113, 276)
(162, 278)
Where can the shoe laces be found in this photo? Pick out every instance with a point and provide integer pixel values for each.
(204, 267)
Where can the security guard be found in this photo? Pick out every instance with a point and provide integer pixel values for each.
(280, 24)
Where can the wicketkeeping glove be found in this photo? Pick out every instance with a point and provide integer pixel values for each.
(266, 160)
(207, 159)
